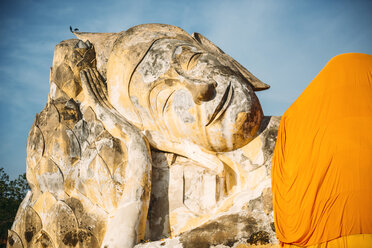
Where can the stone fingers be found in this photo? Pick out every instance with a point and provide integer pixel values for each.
(101, 87)
(93, 82)
(87, 88)
(89, 82)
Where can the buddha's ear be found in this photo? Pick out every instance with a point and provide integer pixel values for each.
(257, 84)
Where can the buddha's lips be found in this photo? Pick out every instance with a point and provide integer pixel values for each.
(222, 105)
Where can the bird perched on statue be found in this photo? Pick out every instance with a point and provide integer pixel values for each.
(74, 30)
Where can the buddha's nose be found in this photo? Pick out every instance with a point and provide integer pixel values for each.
(202, 91)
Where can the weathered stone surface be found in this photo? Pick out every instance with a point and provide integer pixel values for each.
(199, 211)
(148, 134)
(14, 240)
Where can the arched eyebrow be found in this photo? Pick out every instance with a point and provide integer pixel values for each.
(185, 54)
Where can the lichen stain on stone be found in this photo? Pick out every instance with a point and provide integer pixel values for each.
(70, 238)
(44, 240)
(182, 102)
(223, 230)
(259, 238)
(154, 64)
(11, 241)
(29, 235)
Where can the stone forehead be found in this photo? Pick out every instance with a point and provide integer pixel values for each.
(158, 58)
(131, 47)
(147, 34)
(152, 31)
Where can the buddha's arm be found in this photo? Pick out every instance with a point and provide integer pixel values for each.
(126, 226)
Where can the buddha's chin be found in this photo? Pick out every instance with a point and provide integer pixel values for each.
(236, 141)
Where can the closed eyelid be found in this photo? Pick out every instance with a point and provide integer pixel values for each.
(193, 60)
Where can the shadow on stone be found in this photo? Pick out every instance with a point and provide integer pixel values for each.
(158, 215)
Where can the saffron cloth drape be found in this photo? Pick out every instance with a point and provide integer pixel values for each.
(322, 163)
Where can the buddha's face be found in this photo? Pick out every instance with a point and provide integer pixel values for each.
(183, 91)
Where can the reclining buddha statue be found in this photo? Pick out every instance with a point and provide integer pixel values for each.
(150, 134)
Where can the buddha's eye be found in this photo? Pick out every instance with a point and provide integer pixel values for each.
(193, 61)
(188, 58)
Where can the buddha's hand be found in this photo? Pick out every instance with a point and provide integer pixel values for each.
(95, 95)
(95, 89)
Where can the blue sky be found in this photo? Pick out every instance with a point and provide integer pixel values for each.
(284, 43)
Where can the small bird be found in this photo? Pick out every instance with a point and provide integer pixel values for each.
(74, 30)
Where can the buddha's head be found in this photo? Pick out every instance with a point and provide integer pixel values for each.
(183, 87)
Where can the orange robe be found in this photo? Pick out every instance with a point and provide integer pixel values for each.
(322, 163)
